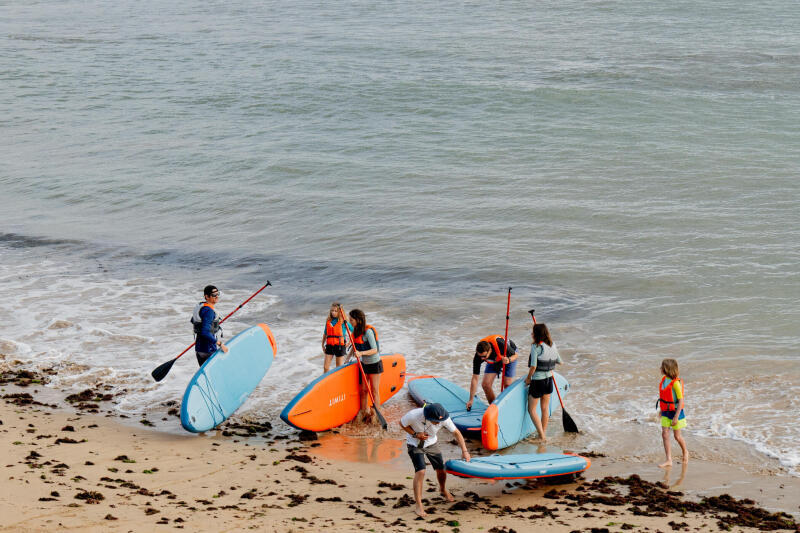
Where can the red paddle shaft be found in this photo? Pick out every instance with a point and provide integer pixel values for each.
(505, 344)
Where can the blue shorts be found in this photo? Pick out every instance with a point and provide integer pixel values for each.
(496, 368)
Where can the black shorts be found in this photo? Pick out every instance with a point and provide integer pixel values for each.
(373, 368)
(337, 350)
(418, 456)
(540, 387)
(202, 357)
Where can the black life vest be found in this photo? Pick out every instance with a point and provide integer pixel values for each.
(197, 322)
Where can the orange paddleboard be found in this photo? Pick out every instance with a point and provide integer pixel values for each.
(333, 398)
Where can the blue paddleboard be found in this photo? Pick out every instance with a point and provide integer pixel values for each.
(225, 380)
(452, 397)
(510, 422)
(526, 465)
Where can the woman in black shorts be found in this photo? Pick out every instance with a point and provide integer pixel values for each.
(544, 358)
(365, 346)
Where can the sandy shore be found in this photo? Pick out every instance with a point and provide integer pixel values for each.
(68, 468)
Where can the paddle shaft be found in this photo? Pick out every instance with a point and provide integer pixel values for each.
(169, 363)
(361, 369)
(505, 344)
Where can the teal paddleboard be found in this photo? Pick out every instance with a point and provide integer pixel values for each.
(433, 389)
(225, 380)
(506, 421)
(520, 466)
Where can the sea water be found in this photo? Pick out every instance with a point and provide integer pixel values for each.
(631, 170)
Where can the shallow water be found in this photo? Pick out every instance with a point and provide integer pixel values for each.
(631, 171)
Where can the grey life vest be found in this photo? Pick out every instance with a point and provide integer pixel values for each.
(197, 321)
(548, 360)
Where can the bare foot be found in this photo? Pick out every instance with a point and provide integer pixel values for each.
(667, 464)
(447, 496)
(420, 511)
(685, 458)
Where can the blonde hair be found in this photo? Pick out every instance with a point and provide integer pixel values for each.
(337, 305)
(669, 367)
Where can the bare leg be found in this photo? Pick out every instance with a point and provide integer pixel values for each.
(532, 403)
(364, 408)
(419, 477)
(375, 385)
(682, 443)
(545, 414)
(441, 476)
(667, 449)
(488, 382)
(508, 380)
(327, 365)
(339, 360)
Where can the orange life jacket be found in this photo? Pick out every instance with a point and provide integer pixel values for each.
(335, 335)
(498, 353)
(666, 401)
(361, 344)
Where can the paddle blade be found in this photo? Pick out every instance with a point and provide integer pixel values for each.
(569, 423)
(382, 420)
(162, 370)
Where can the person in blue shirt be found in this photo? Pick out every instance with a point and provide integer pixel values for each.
(206, 326)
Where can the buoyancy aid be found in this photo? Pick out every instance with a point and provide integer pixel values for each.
(197, 321)
(335, 335)
(497, 352)
(362, 344)
(667, 402)
(548, 360)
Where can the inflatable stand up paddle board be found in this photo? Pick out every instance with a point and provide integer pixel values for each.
(225, 380)
(521, 466)
(333, 398)
(433, 389)
(506, 421)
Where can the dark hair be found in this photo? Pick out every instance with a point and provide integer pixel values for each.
(209, 289)
(360, 322)
(482, 347)
(541, 334)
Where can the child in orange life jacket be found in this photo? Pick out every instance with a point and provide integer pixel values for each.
(670, 405)
(334, 337)
(366, 348)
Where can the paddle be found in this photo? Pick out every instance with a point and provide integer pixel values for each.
(505, 344)
(162, 370)
(569, 424)
(382, 420)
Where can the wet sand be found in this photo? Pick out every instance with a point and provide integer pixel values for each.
(68, 468)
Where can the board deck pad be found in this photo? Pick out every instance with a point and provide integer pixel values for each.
(519, 466)
(333, 398)
(225, 380)
(506, 421)
(454, 398)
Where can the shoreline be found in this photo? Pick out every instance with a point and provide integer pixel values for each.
(91, 471)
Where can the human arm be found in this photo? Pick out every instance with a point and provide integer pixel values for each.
(421, 436)
(462, 444)
(473, 388)
(369, 335)
(532, 360)
(206, 321)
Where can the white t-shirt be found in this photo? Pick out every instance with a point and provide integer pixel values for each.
(415, 419)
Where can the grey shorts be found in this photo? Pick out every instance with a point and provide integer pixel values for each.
(418, 456)
(202, 357)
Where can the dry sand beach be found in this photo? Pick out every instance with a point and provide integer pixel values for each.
(68, 467)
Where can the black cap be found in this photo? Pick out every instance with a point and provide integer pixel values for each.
(435, 412)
